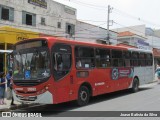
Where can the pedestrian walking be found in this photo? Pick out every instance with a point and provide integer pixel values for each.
(9, 86)
(2, 88)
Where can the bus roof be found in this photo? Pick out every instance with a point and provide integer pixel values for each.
(75, 42)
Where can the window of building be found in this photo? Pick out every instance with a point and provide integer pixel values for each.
(43, 22)
(84, 57)
(70, 29)
(28, 18)
(6, 13)
(59, 25)
(69, 10)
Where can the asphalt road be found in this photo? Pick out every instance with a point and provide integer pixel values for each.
(125, 102)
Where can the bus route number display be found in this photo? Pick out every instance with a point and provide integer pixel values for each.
(29, 45)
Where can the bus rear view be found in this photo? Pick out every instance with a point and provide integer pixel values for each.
(31, 71)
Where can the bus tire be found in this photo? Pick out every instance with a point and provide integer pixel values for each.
(135, 85)
(83, 96)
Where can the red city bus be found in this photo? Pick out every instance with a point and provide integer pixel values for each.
(52, 70)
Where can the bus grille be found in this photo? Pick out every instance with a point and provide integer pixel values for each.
(26, 92)
(29, 98)
(26, 83)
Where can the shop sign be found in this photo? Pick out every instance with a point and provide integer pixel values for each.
(141, 44)
(22, 36)
(40, 3)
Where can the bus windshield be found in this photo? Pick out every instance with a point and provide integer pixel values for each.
(31, 64)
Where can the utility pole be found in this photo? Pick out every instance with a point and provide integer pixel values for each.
(108, 21)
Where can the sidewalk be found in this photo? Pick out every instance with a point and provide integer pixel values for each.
(18, 105)
(8, 106)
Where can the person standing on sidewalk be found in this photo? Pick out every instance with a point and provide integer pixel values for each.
(2, 88)
(9, 86)
(157, 72)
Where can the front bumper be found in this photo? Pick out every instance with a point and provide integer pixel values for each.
(45, 98)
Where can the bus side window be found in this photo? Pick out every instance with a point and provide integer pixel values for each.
(58, 62)
(84, 57)
(135, 59)
(78, 64)
(115, 63)
(117, 59)
(127, 57)
(102, 58)
(61, 60)
(121, 63)
(127, 62)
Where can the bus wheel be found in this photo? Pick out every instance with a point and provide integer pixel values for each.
(135, 85)
(83, 96)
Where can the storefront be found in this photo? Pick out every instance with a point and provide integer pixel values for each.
(156, 54)
(8, 37)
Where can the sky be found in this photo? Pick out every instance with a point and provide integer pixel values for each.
(124, 13)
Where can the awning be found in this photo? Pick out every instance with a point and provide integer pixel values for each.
(12, 35)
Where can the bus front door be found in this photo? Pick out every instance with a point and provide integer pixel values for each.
(62, 59)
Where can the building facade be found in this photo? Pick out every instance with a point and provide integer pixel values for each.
(43, 16)
(133, 39)
(153, 38)
(28, 18)
(90, 33)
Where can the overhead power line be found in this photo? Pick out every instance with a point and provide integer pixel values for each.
(119, 12)
(96, 7)
(116, 11)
